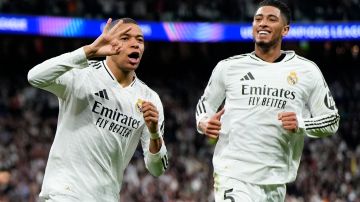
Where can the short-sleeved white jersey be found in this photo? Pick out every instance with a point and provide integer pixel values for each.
(252, 145)
(99, 127)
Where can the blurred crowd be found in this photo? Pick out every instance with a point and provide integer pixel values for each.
(330, 167)
(182, 10)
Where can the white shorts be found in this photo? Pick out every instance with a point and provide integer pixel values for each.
(58, 198)
(228, 189)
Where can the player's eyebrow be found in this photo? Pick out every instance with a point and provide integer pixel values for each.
(136, 36)
(262, 15)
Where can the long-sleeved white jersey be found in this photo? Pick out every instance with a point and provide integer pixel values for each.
(252, 145)
(99, 127)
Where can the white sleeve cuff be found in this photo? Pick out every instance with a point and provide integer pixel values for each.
(158, 162)
(301, 123)
(202, 117)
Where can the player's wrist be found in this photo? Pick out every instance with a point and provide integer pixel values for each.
(154, 136)
(89, 51)
(203, 124)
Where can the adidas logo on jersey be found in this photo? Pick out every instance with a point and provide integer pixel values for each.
(248, 76)
(102, 94)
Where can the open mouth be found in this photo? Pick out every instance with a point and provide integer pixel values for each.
(134, 57)
(263, 32)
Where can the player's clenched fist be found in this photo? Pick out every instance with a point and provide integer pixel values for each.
(212, 126)
(289, 121)
(151, 116)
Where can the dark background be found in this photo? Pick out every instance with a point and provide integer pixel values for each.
(329, 170)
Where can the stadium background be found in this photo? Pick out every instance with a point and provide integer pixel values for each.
(330, 167)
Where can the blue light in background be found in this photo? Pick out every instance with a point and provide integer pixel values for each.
(172, 32)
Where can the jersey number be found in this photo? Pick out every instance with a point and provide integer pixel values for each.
(228, 197)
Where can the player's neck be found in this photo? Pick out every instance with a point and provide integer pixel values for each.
(270, 54)
(125, 78)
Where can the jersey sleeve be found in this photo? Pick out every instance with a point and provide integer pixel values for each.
(324, 117)
(156, 163)
(54, 74)
(213, 96)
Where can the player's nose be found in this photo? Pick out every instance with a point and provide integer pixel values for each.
(134, 43)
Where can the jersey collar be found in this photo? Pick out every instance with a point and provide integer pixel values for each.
(284, 57)
(111, 75)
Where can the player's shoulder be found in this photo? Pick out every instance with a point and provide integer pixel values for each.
(310, 65)
(99, 68)
(96, 64)
(229, 62)
(305, 62)
(144, 89)
(235, 58)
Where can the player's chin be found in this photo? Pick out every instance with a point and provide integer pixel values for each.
(263, 43)
(132, 66)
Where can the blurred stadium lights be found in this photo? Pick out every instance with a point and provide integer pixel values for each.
(172, 31)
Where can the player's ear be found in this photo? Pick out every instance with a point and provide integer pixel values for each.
(285, 30)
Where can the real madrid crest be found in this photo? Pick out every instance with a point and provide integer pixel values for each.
(138, 105)
(292, 79)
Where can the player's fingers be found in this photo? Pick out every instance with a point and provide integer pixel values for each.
(122, 31)
(289, 118)
(214, 133)
(145, 103)
(213, 130)
(114, 29)
(214, 122)
(213, 127)
(118, 49)
(151, 119)
(219, 114)
(107, 25)
(290, 128)
(148, 106)
(285, 123)
(285, 114)
(151, 114)
(212, 136)
(290, 125)
(149, 109)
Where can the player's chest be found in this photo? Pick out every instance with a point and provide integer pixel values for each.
(116, 110)
(267, 86)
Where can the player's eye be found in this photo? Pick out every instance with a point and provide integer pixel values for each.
(124, 38)
(257, 19)
(273, 19)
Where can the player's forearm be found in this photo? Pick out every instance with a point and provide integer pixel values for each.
(90, 51)
(47, 72)
(155, 145)
(157, 162)
(321, 126)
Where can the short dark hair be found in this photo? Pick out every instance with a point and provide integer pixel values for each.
(284, 9)
(125, 21)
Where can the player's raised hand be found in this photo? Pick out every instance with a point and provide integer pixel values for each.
(151, 116)
(108, 43)
(289, 121)
(212, 126)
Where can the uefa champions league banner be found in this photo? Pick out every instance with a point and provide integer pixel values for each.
(172, 31)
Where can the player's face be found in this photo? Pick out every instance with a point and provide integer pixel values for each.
(269, 26)
(132, 49)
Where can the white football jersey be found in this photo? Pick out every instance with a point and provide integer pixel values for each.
(252, 145)
(100, 124)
